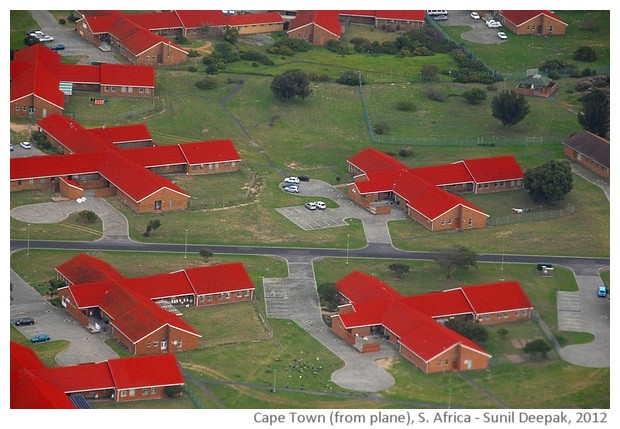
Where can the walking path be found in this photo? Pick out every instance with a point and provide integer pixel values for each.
(295, 297)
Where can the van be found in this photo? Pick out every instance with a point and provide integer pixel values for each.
(436, 12)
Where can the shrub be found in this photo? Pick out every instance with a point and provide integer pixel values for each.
(406, 106)
(475, 95)
(62, 21)
(206, 83)
(192, 69)
(585, 53)
(406, 152)
(554, 75)
(429, 72)
(381, 127)
(193, 53)
(315, 77)
(435, 95)
(350, 77)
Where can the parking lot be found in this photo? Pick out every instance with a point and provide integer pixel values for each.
(479, 32)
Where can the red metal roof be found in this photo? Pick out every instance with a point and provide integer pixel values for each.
(121, 75)
(445, 174)
(79, 378)
(255, 19)
(94, 152)
(498, 168)
(145, 371)
(371, 161)
(199, 18)
(84, 268)
(520, 17)
(361, 287)
(326, 19)
(219, 278)
(34, 79)
(122, 133)
(136, 316)
(210, 152)
(440, 304)
(155, 20)
(495, 297)
(161, 286)
(411, 318)
(33, 386)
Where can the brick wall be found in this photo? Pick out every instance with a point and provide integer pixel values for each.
(213, 168)
(224, 298)
(42, 109)
(313, 35)
(504, 316)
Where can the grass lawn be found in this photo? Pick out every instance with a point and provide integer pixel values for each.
(519, 53)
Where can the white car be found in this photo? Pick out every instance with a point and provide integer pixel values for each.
(293, 179)
(320, 205)
(493, 24)
(474, 15)
(46, 38)
(293, 189)
(502, 35)
(25, 145)
(310, 206)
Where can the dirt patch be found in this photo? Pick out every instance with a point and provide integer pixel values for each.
(386, 362)
(19, 128)
(519, 343)
(205, 49)
(515, 358)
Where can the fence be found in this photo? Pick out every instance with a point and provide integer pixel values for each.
(130, 116)
(532, 215)
(456, 141)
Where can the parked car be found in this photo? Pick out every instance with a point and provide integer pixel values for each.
(25, 145)
(304, 178)
(310, 206)
(294, 189)
(46, 38)
(40, 338)
(12, 148)
(24, 321)
(601, 291)
(57, 47)
(474, 15)
(320, 205)
(493, 24)
(502, 35)
(440, 17)
(291, 180)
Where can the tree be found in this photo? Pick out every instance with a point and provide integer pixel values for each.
(455, 257)
(468, 329)
(475, 95)
(351, 78)
(291, 83)
(399, 269)
(206, 253)
(594, 116)
(231, 35)
(151, 226)
(549, 182)
(87, 216)
(510, 108)
(328, 295)
(538, 347)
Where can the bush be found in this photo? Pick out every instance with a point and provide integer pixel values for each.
(256, 57)
(351, 78)
(193, 53)
(192, 69)
(435, 95)
(555, 75)
(406, 106)
(62, 21)
(585, 53)
(206, 83)
(406, 152)
(381, 127)
(315, 77)
(475, 95)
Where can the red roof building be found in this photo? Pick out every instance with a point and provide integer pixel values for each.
(318, 27)
(146, 38)
(120, 161)
(141, 311)
(430, 194)
(34, 386)
(373, 312)
(542, 22)
(40, 82)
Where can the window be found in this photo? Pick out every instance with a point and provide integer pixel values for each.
(450, 221)
(209, 298)
(158, 205)
(202, 298)
(145, 391)
(153, 390)
(438, 363)
(469, 223)
(123, 393)
(148, 344)
(155, 343)
(443, 221)
(239, 294)
(246, 293)
(132, 392)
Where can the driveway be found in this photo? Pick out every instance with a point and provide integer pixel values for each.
(75, 45)
(479, 32)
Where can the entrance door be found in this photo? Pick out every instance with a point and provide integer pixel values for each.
(164, 344)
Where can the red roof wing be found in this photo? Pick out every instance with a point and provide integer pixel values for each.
(209, 152)
(519, 17)
(446, 174)
(219, 278)
(123, 133)
(371, 160)
(84, 268)
(145, 371)
(440, 304)
(494, 297)
(362, 287)
(79, 378)
(494, 169)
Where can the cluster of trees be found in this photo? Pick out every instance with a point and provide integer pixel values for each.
(549, 182)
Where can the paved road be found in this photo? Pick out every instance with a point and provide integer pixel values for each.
(295, 297)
